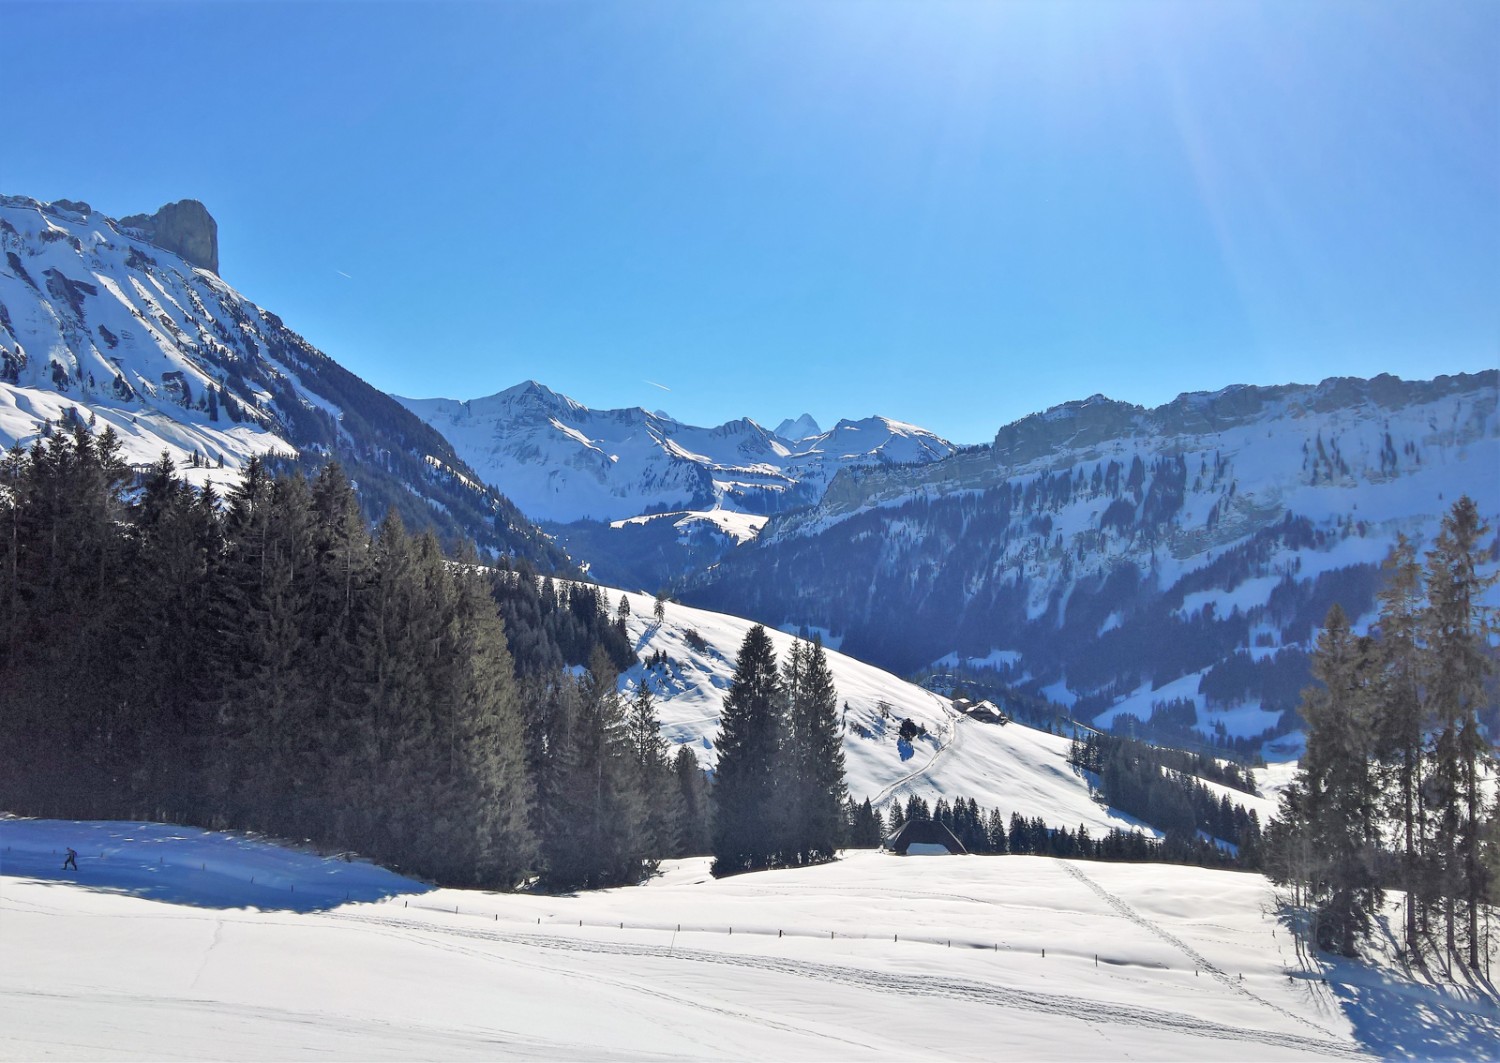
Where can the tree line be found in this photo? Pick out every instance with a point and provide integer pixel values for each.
(1161, 787)
(1391, 792)
(264, 662)
(990, 833)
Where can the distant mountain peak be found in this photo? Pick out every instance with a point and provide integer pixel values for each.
(796, 431)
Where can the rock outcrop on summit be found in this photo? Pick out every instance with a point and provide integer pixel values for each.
(185, 228)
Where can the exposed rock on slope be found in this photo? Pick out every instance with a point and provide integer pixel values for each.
(99, 325)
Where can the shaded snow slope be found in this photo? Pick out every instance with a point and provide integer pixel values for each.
(562, 461)
(872, 957)
(187, 865)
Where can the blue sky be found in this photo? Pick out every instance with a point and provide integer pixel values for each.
(952, 214)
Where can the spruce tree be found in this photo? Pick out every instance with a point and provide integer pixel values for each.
(1328, 844)
(814, 753)
(1400, 719)
(167, 688)
(1456, 633)
(493, 846)
(748, 809)
(895, 818)
(551, 714)
(596, 837)
(693, 829)
(658, 790)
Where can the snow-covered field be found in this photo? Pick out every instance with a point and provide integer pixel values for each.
(161, 947)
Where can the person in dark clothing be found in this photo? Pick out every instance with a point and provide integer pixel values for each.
(72, 860)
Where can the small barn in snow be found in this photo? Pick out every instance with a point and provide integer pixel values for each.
(923, 838)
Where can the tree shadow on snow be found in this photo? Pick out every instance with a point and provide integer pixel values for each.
(1396, 1015)
(193, 867)
(1396, 1020)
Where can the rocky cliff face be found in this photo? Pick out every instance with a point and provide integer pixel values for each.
(185, 228)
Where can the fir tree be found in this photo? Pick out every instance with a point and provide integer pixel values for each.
(653, 775)
(1400, 717)
(748, 808)
(895, 818)
(1457, 639)
(167, 689)
(815, 755)
(693, 834)
(492, 843)
(597, 837)
(1329, 845)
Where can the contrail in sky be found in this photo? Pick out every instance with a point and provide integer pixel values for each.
(341, 273)
(656, 385)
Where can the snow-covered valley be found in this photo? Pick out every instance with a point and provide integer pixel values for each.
(173, 943)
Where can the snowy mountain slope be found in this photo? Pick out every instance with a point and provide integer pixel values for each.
(563, 462)
(1106, 556)
(100, 325)
(872, 957)
(1014, 768)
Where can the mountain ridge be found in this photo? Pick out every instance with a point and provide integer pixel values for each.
(1122, 562)
(99, 324)
(563, 462)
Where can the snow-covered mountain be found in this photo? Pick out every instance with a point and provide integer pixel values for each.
(798, 429)
(125, 324)
(1123, 560)
(561, 461)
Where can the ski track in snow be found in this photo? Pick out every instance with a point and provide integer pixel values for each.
(1197, 957)
(954, 742)
(908, 986)
(410, 1041)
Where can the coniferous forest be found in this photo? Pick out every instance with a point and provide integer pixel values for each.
(1395, 790)
(264, 662)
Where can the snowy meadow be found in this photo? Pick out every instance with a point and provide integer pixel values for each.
(176, 943)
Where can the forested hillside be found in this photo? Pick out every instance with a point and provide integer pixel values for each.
(261, 661)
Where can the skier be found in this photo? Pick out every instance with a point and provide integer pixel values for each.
(72, 860)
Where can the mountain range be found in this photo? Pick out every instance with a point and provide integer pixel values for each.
(1159, 570)
(561, 461)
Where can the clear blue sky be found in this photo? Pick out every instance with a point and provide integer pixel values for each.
(952, 214)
